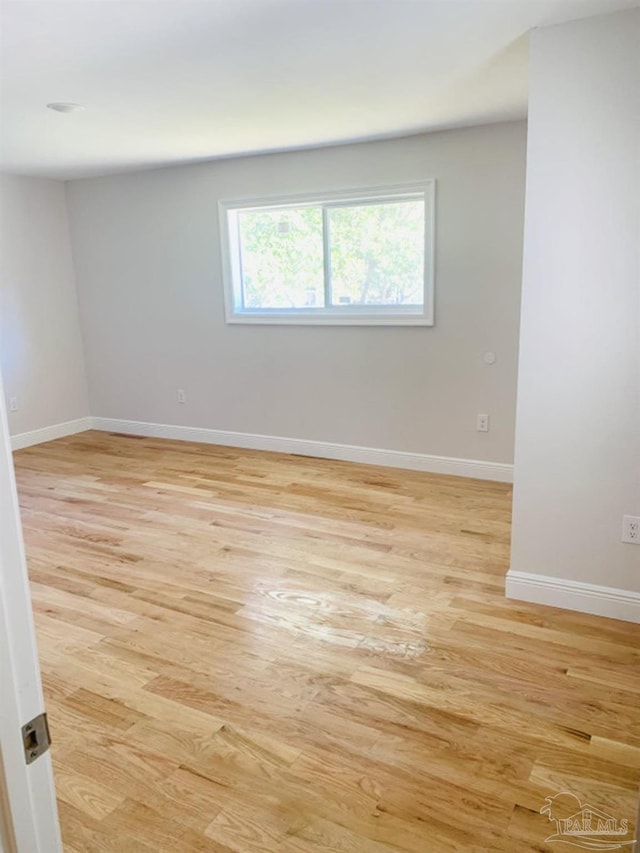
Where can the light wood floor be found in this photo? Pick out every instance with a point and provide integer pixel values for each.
(263, 653)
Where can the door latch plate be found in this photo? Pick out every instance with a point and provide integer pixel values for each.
(36, 738)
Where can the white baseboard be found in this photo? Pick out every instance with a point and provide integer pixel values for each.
(574, 595)
(498, 471)
(39, 436)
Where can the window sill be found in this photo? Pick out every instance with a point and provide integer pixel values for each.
(320, 319)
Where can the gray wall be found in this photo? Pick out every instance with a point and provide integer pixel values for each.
(147, 257)
(578, 433)
(40, 342)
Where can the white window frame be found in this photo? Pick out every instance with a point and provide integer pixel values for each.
(353, 315)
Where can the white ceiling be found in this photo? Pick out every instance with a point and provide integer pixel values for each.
(185, 80)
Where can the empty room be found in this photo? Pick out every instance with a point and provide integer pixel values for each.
(319, 426)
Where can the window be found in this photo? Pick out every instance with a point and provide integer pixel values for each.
(348, 258)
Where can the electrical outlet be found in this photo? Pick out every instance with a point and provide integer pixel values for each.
(482, 423)
(631, 529)
(13, 404)
(182, 397)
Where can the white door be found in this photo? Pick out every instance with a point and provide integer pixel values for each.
(28, 789)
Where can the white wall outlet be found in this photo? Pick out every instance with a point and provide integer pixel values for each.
(631, 529)
(482, 423)
(182, 396)
(13, 404)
